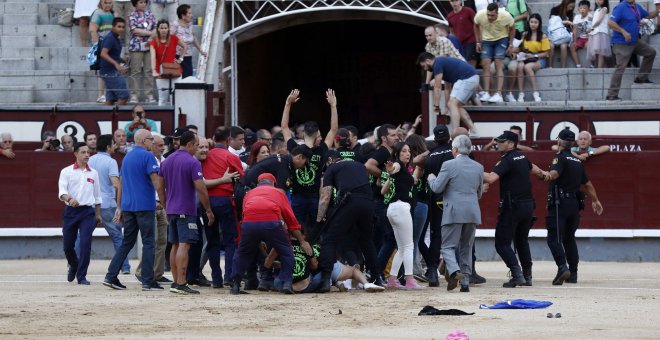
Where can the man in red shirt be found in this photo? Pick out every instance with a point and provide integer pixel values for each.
(263, 209)
(461, 21)
(220, 169)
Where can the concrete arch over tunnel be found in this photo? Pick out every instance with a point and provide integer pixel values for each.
(368, 57)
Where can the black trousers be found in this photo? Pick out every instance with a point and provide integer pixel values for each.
(513, 224)
(354, 213)
(562, 224)
(435, 223)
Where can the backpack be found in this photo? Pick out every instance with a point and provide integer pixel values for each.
(556, 30)
(94, 56)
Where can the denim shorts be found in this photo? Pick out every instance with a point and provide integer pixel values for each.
(182, 229)
(494, 49)
(115, 86)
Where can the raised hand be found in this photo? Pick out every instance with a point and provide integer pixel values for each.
(293, 97)
(330, 96)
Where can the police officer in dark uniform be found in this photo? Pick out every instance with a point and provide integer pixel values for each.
(432, 165)
(353, 207)
(565, 200)
(516, 208)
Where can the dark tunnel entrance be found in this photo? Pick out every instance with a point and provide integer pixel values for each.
(370, 65)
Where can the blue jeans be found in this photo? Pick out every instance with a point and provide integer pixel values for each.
(114, 231)
(145, 223)
(225, 221)
(420, 216)
(305, 208)
(494, 49)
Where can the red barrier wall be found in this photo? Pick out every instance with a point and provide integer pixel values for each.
(627, 185)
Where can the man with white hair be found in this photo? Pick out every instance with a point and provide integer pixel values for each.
(7, 145)
(584, 151)
(460, 180)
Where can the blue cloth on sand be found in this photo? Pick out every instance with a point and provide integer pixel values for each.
(518, 304)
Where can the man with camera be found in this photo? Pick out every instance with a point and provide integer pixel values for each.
(139, 121)
(51, 143)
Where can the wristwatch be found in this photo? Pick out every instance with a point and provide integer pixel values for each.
(536, 55)
(591, 153)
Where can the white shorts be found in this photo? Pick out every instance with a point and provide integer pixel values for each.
(464, 89)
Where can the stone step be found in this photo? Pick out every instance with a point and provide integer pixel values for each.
(19, 19)
(22, 52)
(17, 94)
(644, 91)
(55, 36)
(21, 8)
(26, 64)
(19, 30)
(54, 86)
(18, 41)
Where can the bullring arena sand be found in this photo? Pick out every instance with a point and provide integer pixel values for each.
(611, 301)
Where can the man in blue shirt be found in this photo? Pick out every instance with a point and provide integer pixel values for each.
(111, 66)
(135, 198)
(465, 83)
(108, 171)
(624, 23)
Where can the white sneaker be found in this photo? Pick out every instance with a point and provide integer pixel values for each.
(133, 100)
(496, 98)
(537, 97)
(372, 288)
(473, 134)
(521, 97)
(151, 100)
(101, 99)
(484, 96)
(510, 98)
(348, 284)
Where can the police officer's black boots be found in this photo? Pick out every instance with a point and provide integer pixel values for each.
(378, 281)
(572, 278)
(517, 278)
(235, 287)
(266, 280)
(475, 278)
(433, 277)
(325, 283)
(527, 274)
(563, 274)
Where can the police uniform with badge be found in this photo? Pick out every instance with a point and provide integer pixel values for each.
(432, 165)
(353, 204)
(516, 208)
(565, 200)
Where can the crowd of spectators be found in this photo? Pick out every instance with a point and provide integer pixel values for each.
(153, 33)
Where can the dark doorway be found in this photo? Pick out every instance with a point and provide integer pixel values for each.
(370, 65)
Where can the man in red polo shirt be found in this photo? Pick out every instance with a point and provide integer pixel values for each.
(220, 169)
(461, 21)
(263, 209)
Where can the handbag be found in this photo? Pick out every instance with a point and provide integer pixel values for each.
(65, 17)
(169, 70)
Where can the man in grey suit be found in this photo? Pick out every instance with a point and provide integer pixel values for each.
(461, 182)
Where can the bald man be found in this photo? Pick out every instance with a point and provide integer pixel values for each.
(136, 199)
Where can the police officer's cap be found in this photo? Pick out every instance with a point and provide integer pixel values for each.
(507, 135)
(178, 132)
(267, 177)
(441, 131)
(567, 135)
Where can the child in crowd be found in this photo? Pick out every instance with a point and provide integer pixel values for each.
(561, 15)
(533, 55)
(581, 27)
(598, 46)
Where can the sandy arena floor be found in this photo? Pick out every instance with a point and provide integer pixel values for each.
(611, 301)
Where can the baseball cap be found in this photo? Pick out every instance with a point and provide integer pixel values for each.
(507, 135)
(178, 132)
(440, 131)
(567, 135)
(250, 138)
(267, 177)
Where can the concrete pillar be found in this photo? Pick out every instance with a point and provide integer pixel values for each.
(190, 97)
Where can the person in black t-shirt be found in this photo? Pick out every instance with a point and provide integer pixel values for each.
(343, 144)
(516, 208)
(354, 201)
(281, 166)
(397, 191)
(383, 234)
(432, 165)
(307, 180)
(566, 177)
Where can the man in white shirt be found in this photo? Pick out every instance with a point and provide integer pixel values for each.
(80, 190)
